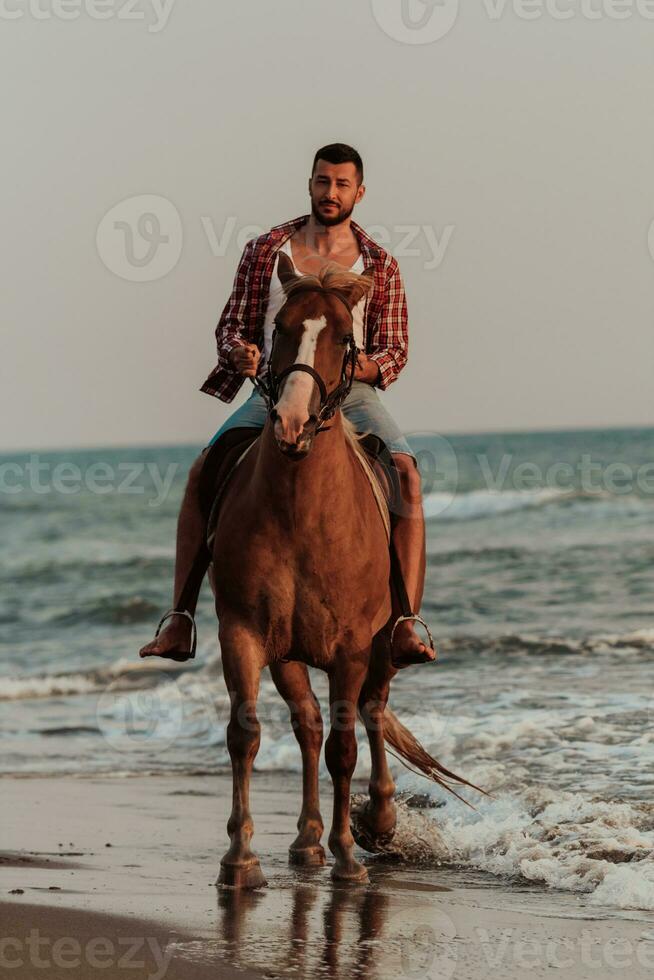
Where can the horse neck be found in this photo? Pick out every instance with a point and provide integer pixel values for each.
(305, 481)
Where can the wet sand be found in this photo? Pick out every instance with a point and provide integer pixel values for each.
(135, 860)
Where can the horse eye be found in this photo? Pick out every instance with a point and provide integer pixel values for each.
(346, 340)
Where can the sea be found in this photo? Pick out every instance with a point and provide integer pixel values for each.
(539, 593)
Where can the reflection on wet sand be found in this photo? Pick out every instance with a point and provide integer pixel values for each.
(368, 910)
(320, 929)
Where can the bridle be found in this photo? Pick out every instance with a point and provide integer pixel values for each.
(269, 386)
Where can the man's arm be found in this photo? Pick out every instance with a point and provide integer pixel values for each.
(388, 344)
(238, 353)
(231, 331)
(367, 370)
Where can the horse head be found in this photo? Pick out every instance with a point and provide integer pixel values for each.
(313, 353)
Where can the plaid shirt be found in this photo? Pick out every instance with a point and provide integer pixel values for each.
(385, 317)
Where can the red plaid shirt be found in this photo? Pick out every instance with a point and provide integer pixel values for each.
(385, 321)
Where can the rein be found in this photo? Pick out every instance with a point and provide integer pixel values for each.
(269, 388)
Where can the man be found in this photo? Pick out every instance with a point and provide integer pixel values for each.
(328, 234)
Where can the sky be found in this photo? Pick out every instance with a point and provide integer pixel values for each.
(508, 154)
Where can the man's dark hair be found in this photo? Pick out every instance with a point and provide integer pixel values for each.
(339, 153)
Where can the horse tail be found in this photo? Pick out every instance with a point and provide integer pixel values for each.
(415, 757)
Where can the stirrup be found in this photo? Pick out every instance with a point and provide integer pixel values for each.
(413, 617)
(174, 655)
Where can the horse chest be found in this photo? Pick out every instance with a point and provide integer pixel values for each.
(301, 614)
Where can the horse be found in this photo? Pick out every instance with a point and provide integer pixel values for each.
(300, 576)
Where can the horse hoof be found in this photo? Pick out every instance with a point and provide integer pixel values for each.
(307, 857)
(241, 876)
(354, 874)
(372, 842)
(365, 827)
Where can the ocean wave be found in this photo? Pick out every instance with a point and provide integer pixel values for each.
(476, 504)
(129, 673)
(122, 675)
(106, 568)
(642, 639)
(22, 504)
(497, 555)
(567, 836)
(562, 840)
(537, 645)
(63, 730)
(108, 610)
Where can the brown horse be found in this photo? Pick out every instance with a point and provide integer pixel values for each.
(300, 575)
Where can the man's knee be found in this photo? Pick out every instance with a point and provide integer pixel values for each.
(196, 469)
(409, 475)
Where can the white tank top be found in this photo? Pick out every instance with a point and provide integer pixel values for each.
(277, 298)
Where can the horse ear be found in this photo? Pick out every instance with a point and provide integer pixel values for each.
(285, 271)
(359, 288)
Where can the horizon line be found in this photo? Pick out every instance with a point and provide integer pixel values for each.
(85, 447)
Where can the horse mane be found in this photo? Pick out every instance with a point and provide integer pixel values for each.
(331, 276)
(352, 436)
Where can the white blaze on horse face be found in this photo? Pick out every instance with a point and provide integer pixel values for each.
(293, 406)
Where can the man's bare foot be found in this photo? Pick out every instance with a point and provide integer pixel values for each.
(174, 641)
(408, 648)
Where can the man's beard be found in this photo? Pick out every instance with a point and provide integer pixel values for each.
(328, 221)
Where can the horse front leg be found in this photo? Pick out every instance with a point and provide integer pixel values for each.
(242, 659)
(376, 824)
(292, 682)
(345, 680)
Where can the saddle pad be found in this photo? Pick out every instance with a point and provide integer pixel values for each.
(380, 497)
(213, 516)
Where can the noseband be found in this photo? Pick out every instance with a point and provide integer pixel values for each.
(269, 387)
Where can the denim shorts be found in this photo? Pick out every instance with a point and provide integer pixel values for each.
(362, 407)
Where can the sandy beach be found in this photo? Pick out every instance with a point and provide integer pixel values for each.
(115, 877)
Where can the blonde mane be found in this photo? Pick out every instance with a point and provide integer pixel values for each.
(353, 437)
(331, 276)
